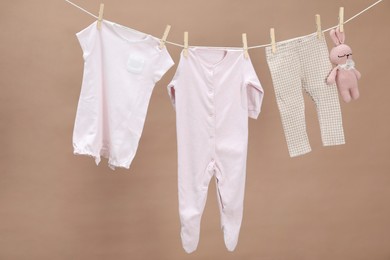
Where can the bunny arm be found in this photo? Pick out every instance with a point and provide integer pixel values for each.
(357, 73)
(332, 76)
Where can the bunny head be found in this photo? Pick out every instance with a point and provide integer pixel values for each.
(341, 53)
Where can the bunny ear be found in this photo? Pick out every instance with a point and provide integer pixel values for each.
(340, 35)
(334, 37)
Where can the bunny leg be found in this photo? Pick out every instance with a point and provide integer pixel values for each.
(346, 95)
(355, 93)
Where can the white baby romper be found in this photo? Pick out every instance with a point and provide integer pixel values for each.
(214, 91)
(121, 67)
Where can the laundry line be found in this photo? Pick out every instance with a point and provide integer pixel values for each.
(251, 47)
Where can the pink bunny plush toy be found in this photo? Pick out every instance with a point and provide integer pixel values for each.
(344, 74)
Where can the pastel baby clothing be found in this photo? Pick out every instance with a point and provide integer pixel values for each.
(121, 67)
(213, 91)
(302, 64)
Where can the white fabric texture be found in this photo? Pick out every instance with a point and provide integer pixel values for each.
(349, 65)
(121, 67)
(302, 65)
(213, 92)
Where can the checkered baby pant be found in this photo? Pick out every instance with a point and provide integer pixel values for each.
(303, 64)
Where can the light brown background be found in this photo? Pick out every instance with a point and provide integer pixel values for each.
(333, 203)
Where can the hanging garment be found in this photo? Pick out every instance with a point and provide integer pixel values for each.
(299, 65)
(213, 91)
(121, 68)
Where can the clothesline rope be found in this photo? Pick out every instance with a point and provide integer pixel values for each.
(82, 9)
(252, 47)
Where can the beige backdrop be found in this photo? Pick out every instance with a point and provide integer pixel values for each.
(333, 203)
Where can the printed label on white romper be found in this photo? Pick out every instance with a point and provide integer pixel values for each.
(135, 64)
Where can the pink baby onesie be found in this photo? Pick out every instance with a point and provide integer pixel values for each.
(121, 67)
(213, 91)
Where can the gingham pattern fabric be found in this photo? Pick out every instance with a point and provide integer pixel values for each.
(302, 65)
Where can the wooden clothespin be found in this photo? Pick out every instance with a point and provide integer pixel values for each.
(245, 45)
(185, 51)
(100, 19)
(341, 19)
(165, 36)
(273, 42)
(318, 23)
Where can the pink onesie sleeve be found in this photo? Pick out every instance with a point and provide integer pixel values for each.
(85, 38)
(171, 87)
(254, 90)
(162, 65)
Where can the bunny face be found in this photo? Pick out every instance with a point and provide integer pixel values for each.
(340, 54)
